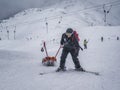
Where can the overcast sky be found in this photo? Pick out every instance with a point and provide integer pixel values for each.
(8, 7)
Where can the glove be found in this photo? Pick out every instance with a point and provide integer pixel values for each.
(61, 46)
(81, 48)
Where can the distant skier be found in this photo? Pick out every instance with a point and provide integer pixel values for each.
(42, 49)
(117, 38)
(101, 39)
(85, 44)
(70, 44)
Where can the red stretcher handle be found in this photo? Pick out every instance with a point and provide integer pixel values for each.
(57, 51)
(45, 48)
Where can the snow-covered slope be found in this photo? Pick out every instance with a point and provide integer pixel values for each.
(20, 63)
(90, 12)
(20, 59)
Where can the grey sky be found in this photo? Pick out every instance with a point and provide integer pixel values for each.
(9, 7)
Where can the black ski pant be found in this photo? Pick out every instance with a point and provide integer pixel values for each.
(74, 55)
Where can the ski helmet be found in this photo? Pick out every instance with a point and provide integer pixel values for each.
(69, 30)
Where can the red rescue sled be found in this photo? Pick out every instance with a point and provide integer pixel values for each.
(49, 61)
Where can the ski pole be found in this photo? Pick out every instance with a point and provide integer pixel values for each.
(45, 48)
(57, 51)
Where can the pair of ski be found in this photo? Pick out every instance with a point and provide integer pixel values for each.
(85, 71)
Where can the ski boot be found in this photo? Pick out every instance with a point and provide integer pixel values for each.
(61, 69)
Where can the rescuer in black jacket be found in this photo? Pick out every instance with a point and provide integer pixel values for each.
(70, 45)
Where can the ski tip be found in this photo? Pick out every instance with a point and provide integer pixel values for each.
(41, 74)
(97, 73)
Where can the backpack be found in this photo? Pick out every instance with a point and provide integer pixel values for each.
(76, 36)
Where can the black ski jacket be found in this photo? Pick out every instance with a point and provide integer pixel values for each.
(70, 42)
